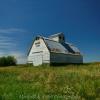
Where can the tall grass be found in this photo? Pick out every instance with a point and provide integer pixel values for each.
(70, 82)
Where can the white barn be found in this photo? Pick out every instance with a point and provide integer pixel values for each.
(53, 50)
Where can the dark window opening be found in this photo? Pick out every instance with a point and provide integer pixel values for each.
(37, 38)
(37, 44)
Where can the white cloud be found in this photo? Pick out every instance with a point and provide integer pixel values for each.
(21, 58)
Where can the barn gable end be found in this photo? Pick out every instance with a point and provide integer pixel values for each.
(39, 52)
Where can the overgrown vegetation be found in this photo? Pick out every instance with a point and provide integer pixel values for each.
(7, 61)
(72, 82)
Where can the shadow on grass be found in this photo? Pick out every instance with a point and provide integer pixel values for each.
(63, 64)
(59, 64)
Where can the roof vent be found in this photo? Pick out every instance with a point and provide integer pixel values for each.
(59, 37)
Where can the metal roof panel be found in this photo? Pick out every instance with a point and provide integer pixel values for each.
(55, 46)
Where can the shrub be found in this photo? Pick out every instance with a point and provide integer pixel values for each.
(7, 61)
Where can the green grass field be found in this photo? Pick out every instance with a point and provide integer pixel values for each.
(70, 82)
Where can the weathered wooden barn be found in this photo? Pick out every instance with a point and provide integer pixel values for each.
(53, 50)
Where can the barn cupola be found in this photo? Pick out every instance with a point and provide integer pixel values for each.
(59, 37)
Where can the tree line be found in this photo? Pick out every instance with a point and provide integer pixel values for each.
(8, 61)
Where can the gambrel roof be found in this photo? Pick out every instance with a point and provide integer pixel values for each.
(60, 47)
(57, 47)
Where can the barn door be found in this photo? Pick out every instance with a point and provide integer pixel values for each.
(38, 59)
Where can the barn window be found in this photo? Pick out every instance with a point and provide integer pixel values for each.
(37, 38)
(60, 37)
(63, 38)
(37, 44)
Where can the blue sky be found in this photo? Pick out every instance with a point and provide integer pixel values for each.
(21, 20)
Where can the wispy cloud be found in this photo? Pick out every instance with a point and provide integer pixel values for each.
(12, 30)
(4, 37)
(6, 42)
(9, 43)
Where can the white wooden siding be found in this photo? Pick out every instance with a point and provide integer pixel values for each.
(37, 59)
(40, 50)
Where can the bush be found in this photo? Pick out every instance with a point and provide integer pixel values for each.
(7, 61)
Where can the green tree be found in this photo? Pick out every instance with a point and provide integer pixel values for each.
(7, 61)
